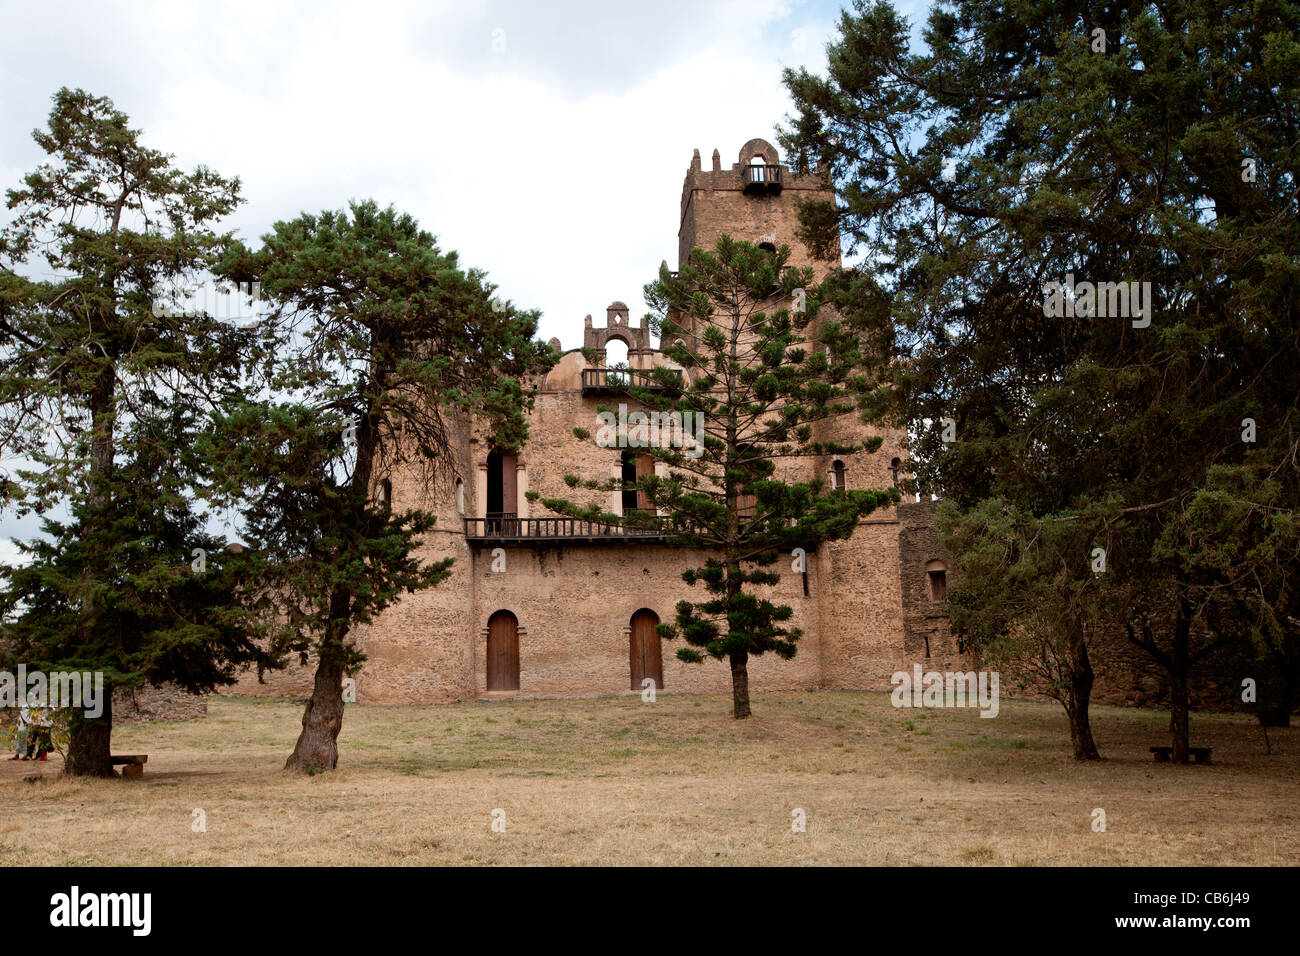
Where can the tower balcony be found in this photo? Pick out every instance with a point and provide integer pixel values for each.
(613, 381)
(550, 532)
(762, 178)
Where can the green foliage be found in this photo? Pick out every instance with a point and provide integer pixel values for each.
(101, 401)
(759, 375)
(1122, 165)
(383, 340)
(165, 592)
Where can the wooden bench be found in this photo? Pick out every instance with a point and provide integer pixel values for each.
(132, 764)
(1198, 754)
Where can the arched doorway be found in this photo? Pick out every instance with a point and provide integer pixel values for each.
(644, 651)
(616, 361)
(503, 652)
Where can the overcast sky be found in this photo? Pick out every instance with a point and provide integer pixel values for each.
(544, 141)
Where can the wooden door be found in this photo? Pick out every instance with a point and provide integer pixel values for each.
(509, 486)
(646, 656)
(645, 465)
(503, 652)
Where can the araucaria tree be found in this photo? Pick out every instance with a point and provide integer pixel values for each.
(1083, 223)
(384, 340)
(101, 394)
(735, 425)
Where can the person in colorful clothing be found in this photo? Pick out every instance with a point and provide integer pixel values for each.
(42, 722)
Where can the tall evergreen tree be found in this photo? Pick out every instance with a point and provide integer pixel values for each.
(1069, 143)
(758, 376)
(384, 339)
(91, 373)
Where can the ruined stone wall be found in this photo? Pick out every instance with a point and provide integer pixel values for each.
(156, 702)
(927, 634)
(1125, 675)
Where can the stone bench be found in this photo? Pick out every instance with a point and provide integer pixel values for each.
(1198, 754)
(132, 764)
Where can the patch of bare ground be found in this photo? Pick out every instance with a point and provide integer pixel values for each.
(618, 781)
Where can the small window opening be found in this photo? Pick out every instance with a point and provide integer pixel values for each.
(839, 476)
(936, 580)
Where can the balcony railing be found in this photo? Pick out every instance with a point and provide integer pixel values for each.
(610, 380)
(499, 524)
(762, 178)
(644, 529)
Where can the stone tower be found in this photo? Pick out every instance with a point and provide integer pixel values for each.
(854, 584)
(755, 200)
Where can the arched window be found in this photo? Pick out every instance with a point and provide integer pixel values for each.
(758, 168)
(644, 650)
(894, 465)
(386, 489)
(503, 651)
(767, 247)
(936, 580)
(839, 476)
(616, 358)
(460, 496)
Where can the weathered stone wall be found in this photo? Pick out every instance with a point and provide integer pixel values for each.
(867, 612)
(574, 603)
(714, 202)
(927, 634)
(1125, 675)
(154, 702)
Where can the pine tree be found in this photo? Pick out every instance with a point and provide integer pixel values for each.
(97, 383)
(384, 340)
(1123, 144)
(759, 370)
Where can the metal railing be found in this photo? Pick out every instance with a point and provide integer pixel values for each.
(541, 530)
(614, 379)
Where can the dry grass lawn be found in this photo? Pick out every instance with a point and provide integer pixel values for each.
(619, 781)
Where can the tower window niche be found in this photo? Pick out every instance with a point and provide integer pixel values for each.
(460, 496)
(936, 580)
(628, 474)
(839, 476)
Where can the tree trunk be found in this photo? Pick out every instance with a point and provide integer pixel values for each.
(1078, 698)
(740, 685)
(1178, 703)
(89, 750)
(318, 747)
(1275, 714)
(1277, 696)
(89, 738)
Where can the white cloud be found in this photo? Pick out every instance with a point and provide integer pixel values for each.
(556, 164)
